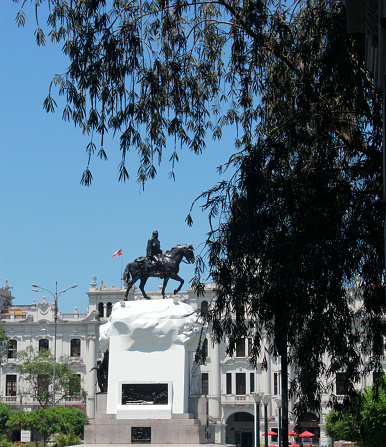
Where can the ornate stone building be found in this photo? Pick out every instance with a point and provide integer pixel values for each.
(228, 382)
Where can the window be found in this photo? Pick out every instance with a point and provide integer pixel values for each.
(241, 388)
(43, 344)
(42, 386)
(75, 382)
(109, 308)
(101, 310)
(12, 349)
(204, 308)
(249, 347)
(75, 347)
(205, 348)
(377, 344)
(205, 383)
(229, 383)
(276, 383)
(240, 348)
(341, 383)
(274, 437)
(10, 385)
(252, 382)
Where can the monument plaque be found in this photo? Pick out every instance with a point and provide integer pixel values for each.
(141, 435)
(144, 394)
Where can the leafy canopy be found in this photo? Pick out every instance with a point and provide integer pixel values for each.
(155, 73)
(364, 421)
(37, 371)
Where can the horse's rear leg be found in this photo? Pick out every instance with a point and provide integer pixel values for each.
(129, 286)
(166, 279)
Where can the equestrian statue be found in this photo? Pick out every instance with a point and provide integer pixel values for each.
(157, 265)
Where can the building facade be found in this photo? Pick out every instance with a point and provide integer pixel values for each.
(227, 382)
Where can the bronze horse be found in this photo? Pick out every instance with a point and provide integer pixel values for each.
(167, 268)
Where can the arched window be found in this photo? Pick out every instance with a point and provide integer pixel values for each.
(75, 347)
(12, 349)
(109, 308)
(101, 310)
(43, 344)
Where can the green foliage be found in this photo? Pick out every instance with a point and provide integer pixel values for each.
(4, 442)
(363, 420)
(49, 421)
(74, 419)
(64, 439)
(37, 370)
(5, 414)
(21, 420)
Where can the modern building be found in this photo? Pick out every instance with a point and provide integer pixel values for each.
(228, 382)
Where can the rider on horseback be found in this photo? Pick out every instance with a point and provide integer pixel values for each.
(154, 252)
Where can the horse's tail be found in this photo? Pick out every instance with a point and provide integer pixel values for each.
(126, 274)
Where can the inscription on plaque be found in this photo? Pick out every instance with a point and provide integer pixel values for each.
(141, 435)
(144, 394)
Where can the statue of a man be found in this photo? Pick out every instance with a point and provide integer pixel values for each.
(153, 249)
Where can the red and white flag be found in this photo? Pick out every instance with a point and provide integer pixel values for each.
(117, 253)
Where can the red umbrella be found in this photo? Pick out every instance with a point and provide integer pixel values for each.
(271, 433)
(291, 433)
(306, 434)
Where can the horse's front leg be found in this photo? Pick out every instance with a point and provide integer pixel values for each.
(166, 279)
(142, 288)
(178, 278)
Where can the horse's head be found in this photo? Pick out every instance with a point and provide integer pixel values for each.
(188, 253)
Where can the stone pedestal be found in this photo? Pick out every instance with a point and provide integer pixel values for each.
(151, 346)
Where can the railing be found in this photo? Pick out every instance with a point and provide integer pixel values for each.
(73, 315)
(10, 399)
(236, 399)
(13, 316)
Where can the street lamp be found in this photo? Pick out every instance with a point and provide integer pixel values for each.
(56, 295)
(266, 399)
(279, 404)
(257, 396)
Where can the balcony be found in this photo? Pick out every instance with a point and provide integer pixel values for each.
(11, 399)
(235, 399)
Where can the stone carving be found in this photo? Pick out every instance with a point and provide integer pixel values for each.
(195, 380)
(150, 329)
(157, 265)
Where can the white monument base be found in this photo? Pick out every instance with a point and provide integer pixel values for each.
(151, 347)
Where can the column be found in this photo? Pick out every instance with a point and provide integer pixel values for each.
(91, 376)
(215, 392)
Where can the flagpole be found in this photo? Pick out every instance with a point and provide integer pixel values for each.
(121, 270)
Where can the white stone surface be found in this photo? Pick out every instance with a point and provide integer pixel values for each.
(150, 342)
(150, 325)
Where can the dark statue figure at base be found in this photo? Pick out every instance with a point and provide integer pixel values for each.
(102, 369)
(157, 265)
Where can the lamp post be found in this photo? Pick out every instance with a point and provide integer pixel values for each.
(56, 296)
(257, 396)
(266, 399)
(279, 404)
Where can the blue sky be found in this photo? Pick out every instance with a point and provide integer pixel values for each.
(54, 229)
